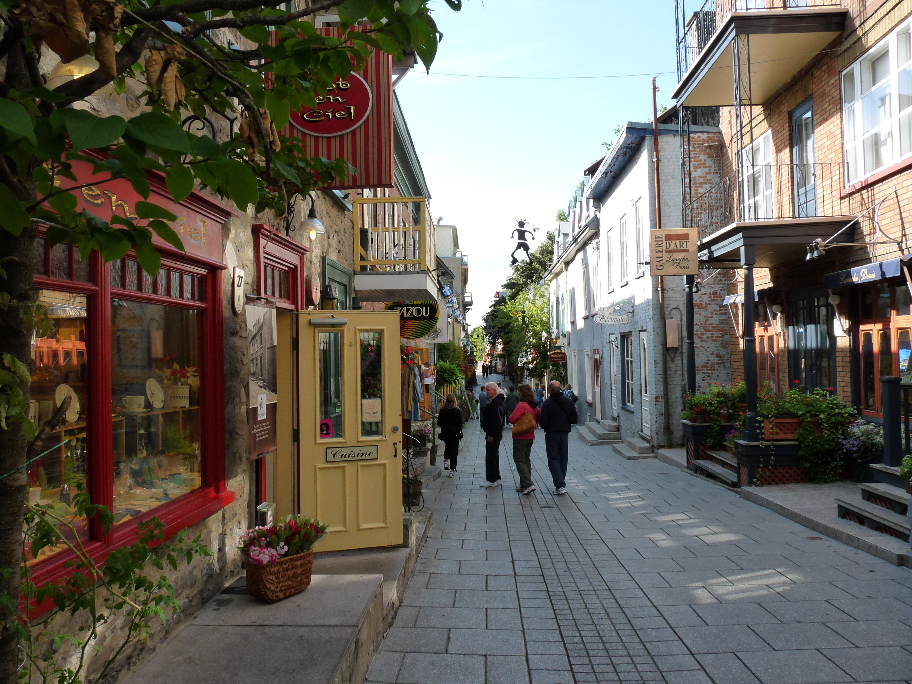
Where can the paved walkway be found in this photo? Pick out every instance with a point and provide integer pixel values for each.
(641, 573)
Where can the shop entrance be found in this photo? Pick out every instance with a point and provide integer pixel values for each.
(349, 420)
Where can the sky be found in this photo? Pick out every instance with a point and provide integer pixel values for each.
(495, 150)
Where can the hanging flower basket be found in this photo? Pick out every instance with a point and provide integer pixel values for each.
(279, 580)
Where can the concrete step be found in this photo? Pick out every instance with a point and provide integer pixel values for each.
(638, 445)
(610, 425)
(717, 471)
(887, 475)
(628, 453)
(601, 433)
(586, 435)
(886, 496)
(723, 457)
(874, 517)
(673, 457)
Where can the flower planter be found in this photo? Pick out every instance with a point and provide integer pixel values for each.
(786, 428)
(857, 470)
(694, 439)
(411, 494)
(768, 464)
(276, 581)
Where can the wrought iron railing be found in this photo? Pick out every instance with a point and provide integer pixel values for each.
(392, 235)
(699, 27)
(767, 192)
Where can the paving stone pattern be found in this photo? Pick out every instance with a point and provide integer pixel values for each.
(641, 573)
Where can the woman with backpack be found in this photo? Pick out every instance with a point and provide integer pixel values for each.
(450, 423)
(524, 418)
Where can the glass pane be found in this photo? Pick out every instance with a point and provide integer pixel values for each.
(40, 255)
(880, 68)
(882, 294)
(867, 308)
(200, 289)
(132, 282)
(60, 261)
(146, 283)
(904, 349)
(902, 300)
(867, 370)
(876, 149)
(163, 279)
(155, 391)
(902, 48)
(761, 359)
(188, 286)
(886, 355)
(83, 268)
(116, 269)
(175, 284)
(371, 384)
(284, 287)
(905, 134)
(59, 370)
(905, 88)
(848, 86)
(330, 345)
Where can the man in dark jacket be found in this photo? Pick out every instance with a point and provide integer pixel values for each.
(492, 418)
(557, 415)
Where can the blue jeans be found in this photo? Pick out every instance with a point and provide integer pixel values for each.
(557, 447)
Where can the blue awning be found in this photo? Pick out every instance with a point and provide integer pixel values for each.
(879, 270)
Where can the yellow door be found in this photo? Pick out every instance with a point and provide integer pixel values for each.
(350, 426)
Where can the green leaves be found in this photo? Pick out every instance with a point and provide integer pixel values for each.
(179, 180)
(243, 188)
(157, 129)
(12, 216)
(16, 119)
(90, 131)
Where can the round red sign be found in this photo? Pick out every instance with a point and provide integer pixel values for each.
(342, 109)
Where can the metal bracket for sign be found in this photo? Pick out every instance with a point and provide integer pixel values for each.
(905, 268)
(327, 321)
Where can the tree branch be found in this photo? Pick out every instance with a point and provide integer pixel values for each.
(128, 55)
(177, 11)
(257, 19)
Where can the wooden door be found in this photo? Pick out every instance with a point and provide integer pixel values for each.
(350, 426)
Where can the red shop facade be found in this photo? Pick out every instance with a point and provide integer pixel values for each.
(141, 359)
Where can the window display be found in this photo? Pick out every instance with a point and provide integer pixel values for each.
(155, 394)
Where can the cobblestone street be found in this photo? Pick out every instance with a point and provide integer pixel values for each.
(641, 573)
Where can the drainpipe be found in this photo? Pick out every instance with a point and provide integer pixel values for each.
(666, 428)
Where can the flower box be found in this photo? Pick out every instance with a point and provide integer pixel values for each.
(279, 580)
(411, 494)
(779, 428)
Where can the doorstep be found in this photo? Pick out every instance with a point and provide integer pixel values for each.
(326, 635)
(814, 506)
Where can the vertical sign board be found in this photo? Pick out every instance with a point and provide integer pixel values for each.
(353, 120)
(262, 339)
(673, 252)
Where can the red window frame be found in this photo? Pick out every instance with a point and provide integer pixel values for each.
(213, 493)
(275, 253)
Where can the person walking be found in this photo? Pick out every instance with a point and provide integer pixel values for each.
(450, 423)
(492, 418)
(512, 399)
(539, 393)
(482, 405)
(570, 394)
(522, 441)
(473, 404)
(557, 415)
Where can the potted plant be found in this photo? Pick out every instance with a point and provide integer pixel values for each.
(905, 472)
(862, 445)
(280, 557)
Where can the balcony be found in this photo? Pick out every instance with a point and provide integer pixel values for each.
(395, 253)
(467, 301)
(780, 38)
(778, 208)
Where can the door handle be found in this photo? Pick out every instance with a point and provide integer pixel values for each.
(395, 449)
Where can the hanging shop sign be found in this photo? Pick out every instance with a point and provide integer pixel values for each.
(673, 252)
(416, 319)
(262, 341)
(622, 312)
(353, 120)
(557, 357)
(344, 107)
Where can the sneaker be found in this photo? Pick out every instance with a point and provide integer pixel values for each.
(498, 484)
(560, 490)
(451, 473)
(488, 484)
(519, 489)
(446, 464)
(529, 490)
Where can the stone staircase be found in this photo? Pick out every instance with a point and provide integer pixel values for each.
(883, 506)
(595, 433)
(633, 448)
(721, 466)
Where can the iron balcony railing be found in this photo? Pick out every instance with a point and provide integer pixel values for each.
(699, 27)
(392, 235)
(767, 192)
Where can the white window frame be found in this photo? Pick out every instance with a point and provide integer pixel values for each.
(641, 240)
(622, 233)
(609, 272)
(888, 139)
(757, 178)
(628, 381)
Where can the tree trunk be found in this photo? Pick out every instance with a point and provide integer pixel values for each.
(20, 264)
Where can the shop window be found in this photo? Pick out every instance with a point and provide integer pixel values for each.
(885, 339)
(155, 385)
(625, 267)
(627, 376)
(811, 340)
(330, 378)
(280, 268)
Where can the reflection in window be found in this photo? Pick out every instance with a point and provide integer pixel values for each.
(330, 346)
(867, 371)
(371, 384)
(60, 372)
(155, 391)
(904, 349)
